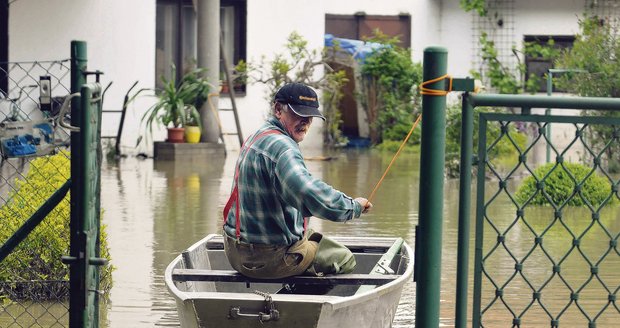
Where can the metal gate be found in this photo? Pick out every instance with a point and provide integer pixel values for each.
(532, 286)
(539, 260)
(37, 171)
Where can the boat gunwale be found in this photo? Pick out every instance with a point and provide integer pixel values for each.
(335, 302)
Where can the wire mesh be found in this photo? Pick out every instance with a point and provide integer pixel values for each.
(548, 232)
(499, 27)
(606, 9)
(34, 285)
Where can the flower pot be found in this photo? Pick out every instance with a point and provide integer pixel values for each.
(192, 134)
(176, 135)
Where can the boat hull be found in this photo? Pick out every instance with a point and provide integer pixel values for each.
(221, 304)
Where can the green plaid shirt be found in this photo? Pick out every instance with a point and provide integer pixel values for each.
(276, 192)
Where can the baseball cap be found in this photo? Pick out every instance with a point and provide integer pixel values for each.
(300, 98)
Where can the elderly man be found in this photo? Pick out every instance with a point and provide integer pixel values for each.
(273, 195)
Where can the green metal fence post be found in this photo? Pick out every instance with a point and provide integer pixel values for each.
(547, 113)
(462, 268)
(428, 282)
(77, 268)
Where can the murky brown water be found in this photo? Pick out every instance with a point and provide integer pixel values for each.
(154, 210)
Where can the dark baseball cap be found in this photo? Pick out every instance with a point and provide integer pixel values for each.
(300, 98)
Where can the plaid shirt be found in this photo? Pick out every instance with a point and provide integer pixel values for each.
(276, 192)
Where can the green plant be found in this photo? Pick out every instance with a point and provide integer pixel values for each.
(389, 90)
(596, 54)
(240, 73)
(479, 6)
(178, 103)
(559, 186)
(596, 51)
(37, 258)
(507, 80)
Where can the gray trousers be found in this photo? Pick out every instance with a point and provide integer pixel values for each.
(314, 254)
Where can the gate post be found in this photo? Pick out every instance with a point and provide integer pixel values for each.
(77, 261)
(462, 261)
(432, 160)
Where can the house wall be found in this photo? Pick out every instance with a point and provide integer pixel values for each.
(121, 41)
(120, 38)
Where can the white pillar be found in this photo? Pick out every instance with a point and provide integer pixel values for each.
(208, 45)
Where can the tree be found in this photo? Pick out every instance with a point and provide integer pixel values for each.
(299, 64)
(596, 51)
(389, 89)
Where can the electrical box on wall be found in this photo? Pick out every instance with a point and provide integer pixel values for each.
(45, 93)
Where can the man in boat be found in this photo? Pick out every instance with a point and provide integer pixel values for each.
(273, 195)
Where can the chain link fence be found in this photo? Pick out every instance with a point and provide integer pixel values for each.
(547, 233)
(35, 163)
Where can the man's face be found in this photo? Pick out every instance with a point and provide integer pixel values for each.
(294, 124)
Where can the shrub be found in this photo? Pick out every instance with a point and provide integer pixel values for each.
(559, 182)
(37, 258)
(389, 90)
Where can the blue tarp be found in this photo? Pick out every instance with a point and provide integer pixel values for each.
(356, 48)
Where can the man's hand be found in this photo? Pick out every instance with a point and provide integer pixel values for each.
(365, 204)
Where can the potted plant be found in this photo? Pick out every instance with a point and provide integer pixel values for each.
(240, 75)
(177, 105)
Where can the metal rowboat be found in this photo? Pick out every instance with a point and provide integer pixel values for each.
(209, 293)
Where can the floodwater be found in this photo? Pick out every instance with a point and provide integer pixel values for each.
(153, 210)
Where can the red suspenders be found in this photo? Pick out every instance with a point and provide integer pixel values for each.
(234, 195)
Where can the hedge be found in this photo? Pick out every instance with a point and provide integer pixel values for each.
(34, 270)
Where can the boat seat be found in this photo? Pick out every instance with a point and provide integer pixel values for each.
(234, 276)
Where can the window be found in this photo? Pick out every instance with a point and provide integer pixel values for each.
(540, 66)
(176, 35)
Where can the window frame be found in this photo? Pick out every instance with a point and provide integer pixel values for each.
(240, 34)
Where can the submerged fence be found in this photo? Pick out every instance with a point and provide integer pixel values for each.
(33, 281)
(546, 234)
(50, 250)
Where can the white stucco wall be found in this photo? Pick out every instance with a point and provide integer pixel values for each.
(120, 37)
(547, 17)
(121, 41)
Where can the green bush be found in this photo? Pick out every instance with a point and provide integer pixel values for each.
(389, 90)
(37, 258)
(559, 182)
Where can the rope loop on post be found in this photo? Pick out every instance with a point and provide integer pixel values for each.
(424, 90)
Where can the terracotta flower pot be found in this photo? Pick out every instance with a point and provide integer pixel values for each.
(176, 135)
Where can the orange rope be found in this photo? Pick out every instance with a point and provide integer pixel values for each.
(436, 92)
(402, 145)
